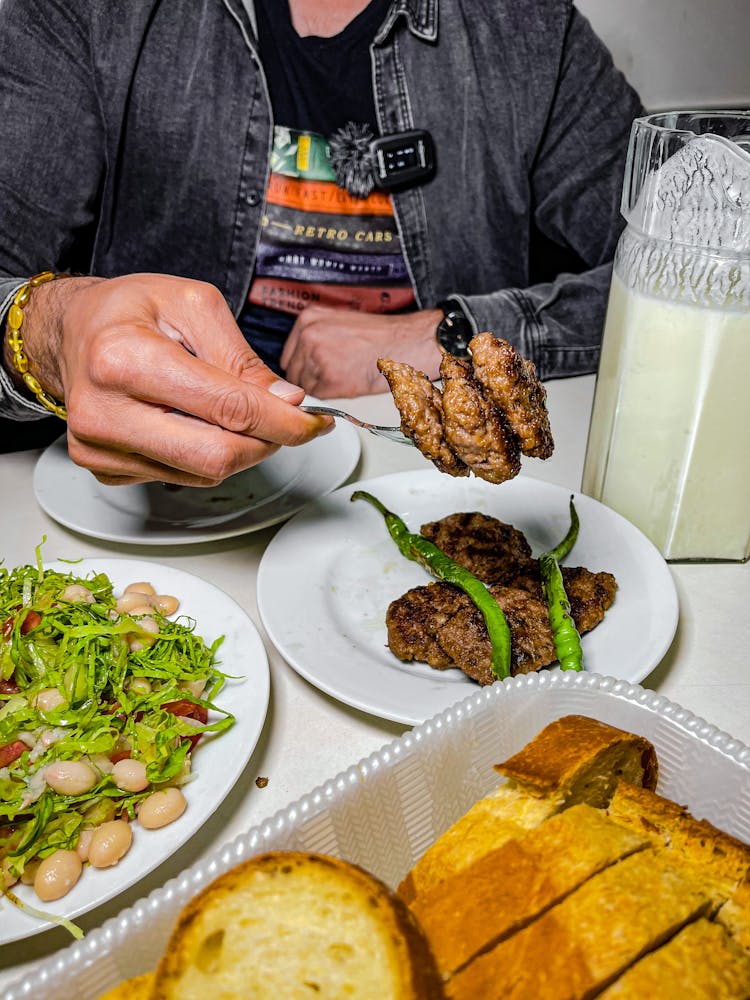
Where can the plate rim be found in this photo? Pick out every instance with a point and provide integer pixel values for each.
(343, 442)
(258, 693)
(667, 593)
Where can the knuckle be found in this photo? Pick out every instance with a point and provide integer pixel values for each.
(237, 410)
(217, 460)
(204, 297)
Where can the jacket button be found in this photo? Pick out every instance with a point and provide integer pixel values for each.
(252, 198)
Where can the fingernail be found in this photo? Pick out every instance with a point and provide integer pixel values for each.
(284, 389)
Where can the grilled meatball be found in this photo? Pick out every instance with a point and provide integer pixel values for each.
(475, 429)
(421, 408)
(456, 636)
(590, 594)
(493, 551)
(510, 383)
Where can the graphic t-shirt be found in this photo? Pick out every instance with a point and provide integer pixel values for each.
(318, 243)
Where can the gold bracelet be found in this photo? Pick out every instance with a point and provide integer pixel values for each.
(15, 342)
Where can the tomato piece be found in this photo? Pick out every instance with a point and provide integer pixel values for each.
(32, 620)
(11, 752)
(187, 708)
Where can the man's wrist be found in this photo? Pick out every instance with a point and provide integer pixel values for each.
(42, 336)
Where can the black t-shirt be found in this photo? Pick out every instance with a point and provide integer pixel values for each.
(316, 85)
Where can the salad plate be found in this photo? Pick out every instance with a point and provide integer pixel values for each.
(162, 514)
(218, 760)
(326, 613)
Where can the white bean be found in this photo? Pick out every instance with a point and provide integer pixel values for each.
(70, 777)
(135, 641)
(7, 878)
(48, 699)
(166, 604)
(132, 600)
(111, 841)
(57, 874)
(130, 775)
(161, 808)
(140, 588)
(139, 685)
(29, 872)
(196, 688)
(84, 843)
(76, 592)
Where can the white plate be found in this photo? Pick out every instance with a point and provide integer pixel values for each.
(219, 759)
(154, 514)
(326, 580)
(384, 811)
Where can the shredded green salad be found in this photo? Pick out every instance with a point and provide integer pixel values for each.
(115, 700)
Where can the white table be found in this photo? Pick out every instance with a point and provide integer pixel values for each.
(309, 737)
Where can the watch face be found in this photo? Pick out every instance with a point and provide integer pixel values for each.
(454, 333)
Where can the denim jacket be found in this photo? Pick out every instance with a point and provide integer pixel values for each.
(135, 137)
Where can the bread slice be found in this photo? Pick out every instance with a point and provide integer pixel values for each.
(134, 988)
(700, 963)
(505, 813)
(510, 886)
(585, 942)
(584, 759)
(297, 925)
(718, 856)
(573, 759)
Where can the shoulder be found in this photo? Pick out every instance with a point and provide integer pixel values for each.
(543, 20)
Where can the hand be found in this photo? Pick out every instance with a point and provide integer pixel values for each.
(158, 381)
(334, 352)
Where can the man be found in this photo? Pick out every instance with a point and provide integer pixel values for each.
(137, 141)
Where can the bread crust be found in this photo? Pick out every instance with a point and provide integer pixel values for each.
(512, 885)
(348, 928)
(586, 941)
(701, 962)
(584, 759)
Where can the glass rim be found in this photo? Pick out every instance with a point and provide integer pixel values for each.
(659, 120)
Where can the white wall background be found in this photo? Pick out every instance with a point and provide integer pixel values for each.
(679, 53)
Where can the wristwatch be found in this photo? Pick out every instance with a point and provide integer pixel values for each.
(454, 330)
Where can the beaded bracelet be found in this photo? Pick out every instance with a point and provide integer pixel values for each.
(15, 342)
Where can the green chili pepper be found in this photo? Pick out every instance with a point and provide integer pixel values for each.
(420, 549)
(560, 551)
(564, 632)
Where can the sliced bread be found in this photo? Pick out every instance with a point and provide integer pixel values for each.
(296, 925)
(510, 886)
(585, 942)
(701, 962)
(573, 759)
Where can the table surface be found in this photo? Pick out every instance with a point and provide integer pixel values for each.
(308, 736)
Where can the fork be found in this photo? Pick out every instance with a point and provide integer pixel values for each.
(391, 433)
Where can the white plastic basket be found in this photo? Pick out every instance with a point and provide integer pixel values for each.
(385, 810)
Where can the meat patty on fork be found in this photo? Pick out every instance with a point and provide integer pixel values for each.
(510, 382)
(421, 408)
(475, 429)
(491, 410)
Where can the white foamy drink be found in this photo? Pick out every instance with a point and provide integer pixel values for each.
(669, 445)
